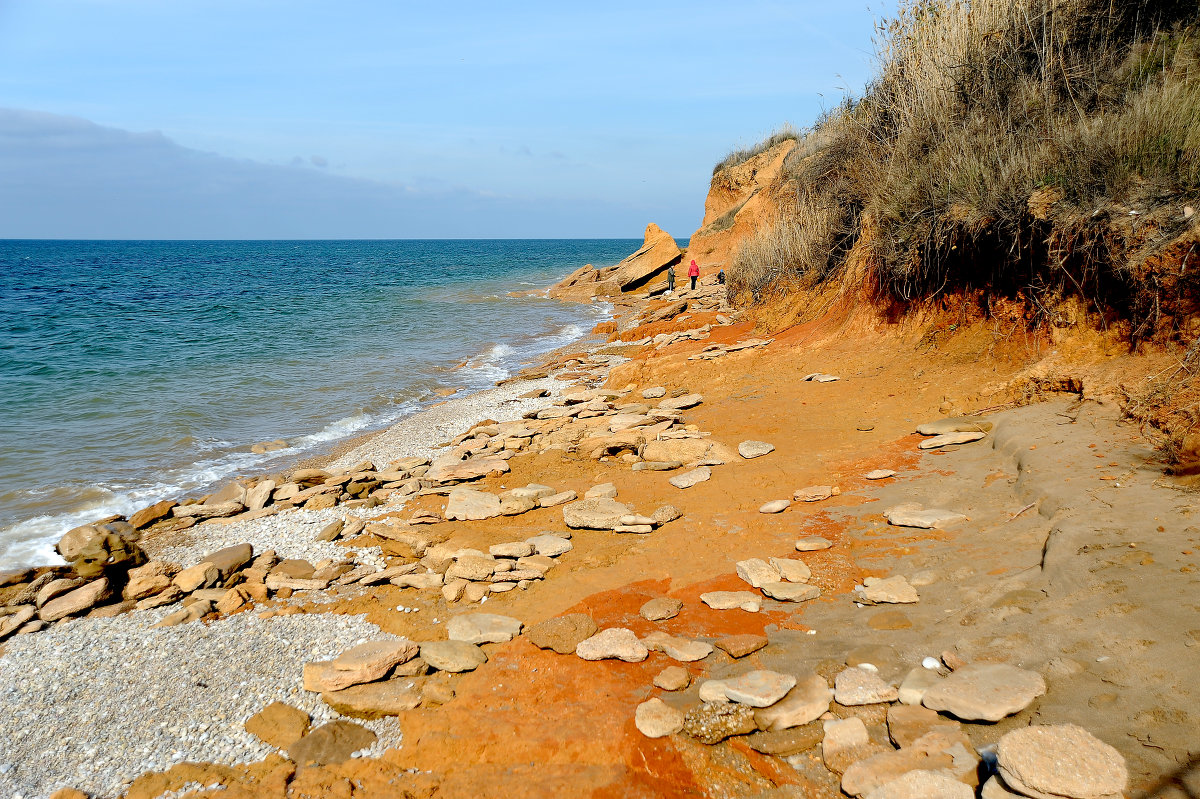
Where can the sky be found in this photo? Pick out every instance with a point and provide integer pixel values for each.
(297, 119)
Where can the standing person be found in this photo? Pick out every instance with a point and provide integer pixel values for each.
(694, 273)
(721, 277)
(671, 279)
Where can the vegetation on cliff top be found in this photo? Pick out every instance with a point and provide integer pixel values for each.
(1035, 148)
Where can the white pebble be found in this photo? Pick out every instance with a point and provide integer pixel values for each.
(933, 664)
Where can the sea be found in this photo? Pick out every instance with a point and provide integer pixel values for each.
(134, 371)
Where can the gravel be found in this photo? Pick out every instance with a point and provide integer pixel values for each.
(94, 703)
(292, 534)
(421, 434)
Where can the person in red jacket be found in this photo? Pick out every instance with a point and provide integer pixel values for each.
(694, 274)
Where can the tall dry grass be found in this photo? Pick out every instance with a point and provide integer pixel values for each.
(976, 108)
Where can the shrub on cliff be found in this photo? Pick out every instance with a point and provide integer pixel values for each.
(1031, 147)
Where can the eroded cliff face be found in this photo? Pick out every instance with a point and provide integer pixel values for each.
(739, 199)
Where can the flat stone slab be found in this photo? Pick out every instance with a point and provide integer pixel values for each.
(803, 704)
(916, 683)
(330, 743)
(684, 650)
(948, 439)
(562, 634)
(985, 691)
(514, 549)
(879, 474)
(791, 569)
(278, 724)
(483, 628)
(549, 545)
(813, 494)
(615, 643)
(452, 656)
(783, 743)
(654, 718)
(661, 608)
(681, 403)
(812, 543)
(818, 377)
(855, 686)
(1059, 760)
(738, 646)
(673, 678)
(727, 600)
(775, 506)
(891, 590)
(757, 572)
(600, 513)
(790, 592)
(927, 519)
(468, 504)
(922, 784)
(755, 449)
(692, 477)
(374, 659)
(759, 688)
(376, 699)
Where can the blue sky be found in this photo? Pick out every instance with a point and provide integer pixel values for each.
(216, 119)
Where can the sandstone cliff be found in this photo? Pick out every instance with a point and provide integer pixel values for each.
(651, 261)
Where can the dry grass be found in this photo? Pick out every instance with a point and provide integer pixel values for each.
(977, 108)
(785, 133)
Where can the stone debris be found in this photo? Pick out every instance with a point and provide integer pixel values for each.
(985, 691)
(1061, 760)
(891, 590)
(691, 478)
(614, 643)
(549, 545)
(654, 718)
(713, 722)
(601, 513)
(814, 493)
(755, 449)
(817, 377)
(791, 569)
(759, 688)
(673, 678)
(879, 474)
(803, 704)
(790, 592)
(757, 572)
(727, 600)
(783, 743)
(812, 543)
(859, 686)
(452, 656)
(738, 646)
(684, 650)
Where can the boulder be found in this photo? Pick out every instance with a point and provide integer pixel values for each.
(916, 683)
(843, 735)
(483, 628)
(514, 550)
(775, 506)
(783, 743)
(142, 587)
(259, 495)
(601, 491)
(666, 513)
(791, 569)
(614, 643)
(1061, 760)
(202, 575)
(658, 252)
(330, 743)
(468, 504)
(205, 511)
(374, 659)
(654, 718)
(562, 634)
(595, 514)
(148, 516)
(985, 691)
(451, 470)
(75, 539)
(908, 723)
(814, 493)
(453, 656)
(879, 474)
(681, 403)
(230, 559)
(686, 450)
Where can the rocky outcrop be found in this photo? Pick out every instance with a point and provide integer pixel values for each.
(658, 252)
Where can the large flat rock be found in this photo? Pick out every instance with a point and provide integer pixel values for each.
(985, 691)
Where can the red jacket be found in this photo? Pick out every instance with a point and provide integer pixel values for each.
(693, 270)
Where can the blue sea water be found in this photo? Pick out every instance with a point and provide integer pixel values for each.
(132, 371)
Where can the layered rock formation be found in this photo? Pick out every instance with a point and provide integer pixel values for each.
(650, 263)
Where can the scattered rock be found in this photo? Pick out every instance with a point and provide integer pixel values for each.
(791, 569)
(754, 449)
(148, 516)
(202, 575)
(681, 403)
(759, 688)
(713, 691)
(452, 656)
(691, 478)
(985, 692)
(713, 722)
(278, 724)
(681, 649)
(1062, 760)
(783, 743)
(654, 392)
(757, 572)
(483, 628)
(614, 643)
(75, 602)
(471, 504)
(602, 491)
(334, 742)
(814, 493)
(665, 514)
(954, 424)
(738, 646)
(927, 519)
(562, 634)
(802, 705)
(892, 590)
(376, 699)
(948, 439)
(727, 600)
(877, 770)
(673, 678)
(550, 545)
(879, 474)
(516, 549)
(856, 686)
(656, 719)
(775, 506)
(595, 514)
(842, 735)
(908, 723)
(661, 608)
(791, 592)
(813, 543)
(818, 377)
(916, 683)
